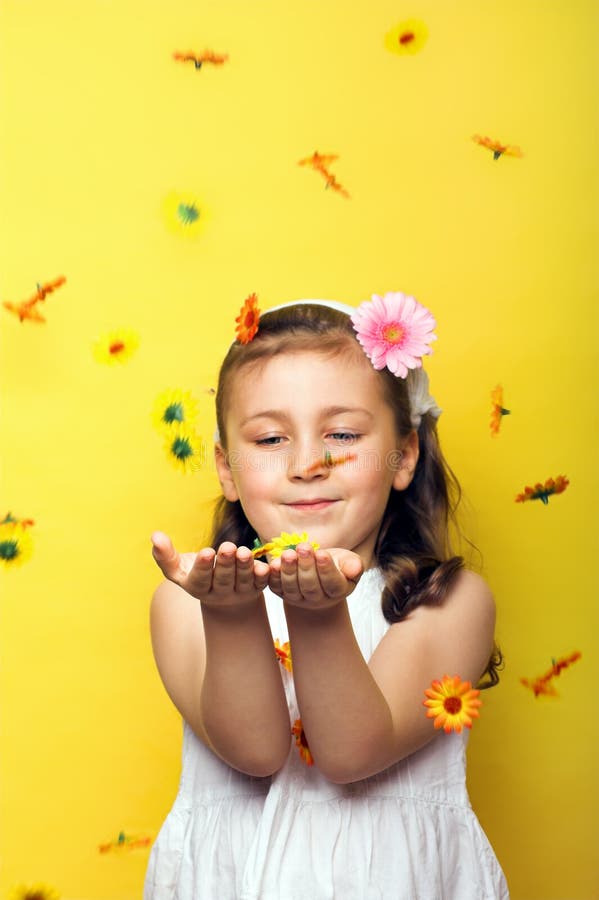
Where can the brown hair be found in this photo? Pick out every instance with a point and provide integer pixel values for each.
(412, 548)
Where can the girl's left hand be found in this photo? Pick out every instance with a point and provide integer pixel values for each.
(314, 579)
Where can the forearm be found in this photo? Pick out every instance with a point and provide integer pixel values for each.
(344, 714)
(243, 705)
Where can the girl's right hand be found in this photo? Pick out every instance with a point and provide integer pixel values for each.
(229, 577)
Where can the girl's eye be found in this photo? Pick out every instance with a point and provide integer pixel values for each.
(345, 437)
(269, 441)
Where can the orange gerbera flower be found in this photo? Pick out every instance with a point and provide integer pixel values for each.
(453, 703)
(248, 320)
(283, 652)
(542, 684)
(543, 492)
(497, 147)
(302, 744)
(498, 410)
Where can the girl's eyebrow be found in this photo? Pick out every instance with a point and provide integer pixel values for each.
(327, 411)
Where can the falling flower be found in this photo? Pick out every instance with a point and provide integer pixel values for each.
(542, 685)
(27, 309)
(283, 652)
(543, 492)
(320, 162)
(35, 892)
(330, 461)
(301, 743)
(197, 59)
(407, 38)
(248, 319)
(285, 541)
(497, 411)
(16, 545)
(185, 449)
(116, 347)
(497, 147)
(452, 703)
(125, 842)
(174, 407)
(184, 214)
(395, 331)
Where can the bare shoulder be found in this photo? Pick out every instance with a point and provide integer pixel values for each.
(179, 649)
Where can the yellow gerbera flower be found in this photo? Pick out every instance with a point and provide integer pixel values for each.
(452, 703)
(284, 541)
(16, 545)
(174, 407)
(35, 892)
(185, 449)
(116, 347)
(184, 214)
(408, 37)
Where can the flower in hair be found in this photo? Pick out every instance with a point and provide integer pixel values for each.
(452, 703)
(395, 331)
(543, 492)
(248, 320)
(285, 541)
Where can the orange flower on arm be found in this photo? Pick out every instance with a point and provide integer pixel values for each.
(301, 742)
(452, 703)
(283, 652)
(248, 320)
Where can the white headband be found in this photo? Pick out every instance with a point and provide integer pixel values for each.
(421, 401)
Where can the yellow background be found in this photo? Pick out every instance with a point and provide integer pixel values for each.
(99, 124)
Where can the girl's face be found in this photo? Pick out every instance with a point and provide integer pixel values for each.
(282, 419)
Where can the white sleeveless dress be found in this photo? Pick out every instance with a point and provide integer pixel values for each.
(408, 833)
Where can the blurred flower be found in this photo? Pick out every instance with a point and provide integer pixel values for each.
(301, 743)
(248, 320)
(185, 449)
(184, 214)
(283, 652)
(37, 891)
(174, 407)
(542, 684)
(395, 331)
(543, 492)
(452, 703)
(408, 37)
(16, 545)
(497, 410)
(497, 147)
(116, 347)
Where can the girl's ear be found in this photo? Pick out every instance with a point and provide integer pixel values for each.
(225, 476)
(407, 466)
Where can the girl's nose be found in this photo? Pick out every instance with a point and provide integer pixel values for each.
(310, 463)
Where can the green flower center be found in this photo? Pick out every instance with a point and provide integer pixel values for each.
(9, 549)
(452, 705)
(181, 448)
(188, 213)
(174, 413)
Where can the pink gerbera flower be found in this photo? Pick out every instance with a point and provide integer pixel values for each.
(395, 331)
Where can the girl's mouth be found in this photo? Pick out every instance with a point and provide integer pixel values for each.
(312, 505)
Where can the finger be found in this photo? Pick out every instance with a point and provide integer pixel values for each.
(244, 570)
(199, 580)
(307, 576)
(289, 582)
(165, 555)
(223, 579)
(332, 580)
(261, 575)
(274, 577)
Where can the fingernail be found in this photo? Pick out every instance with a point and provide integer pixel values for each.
(301, 551)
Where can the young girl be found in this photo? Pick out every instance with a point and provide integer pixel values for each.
(310, 768)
